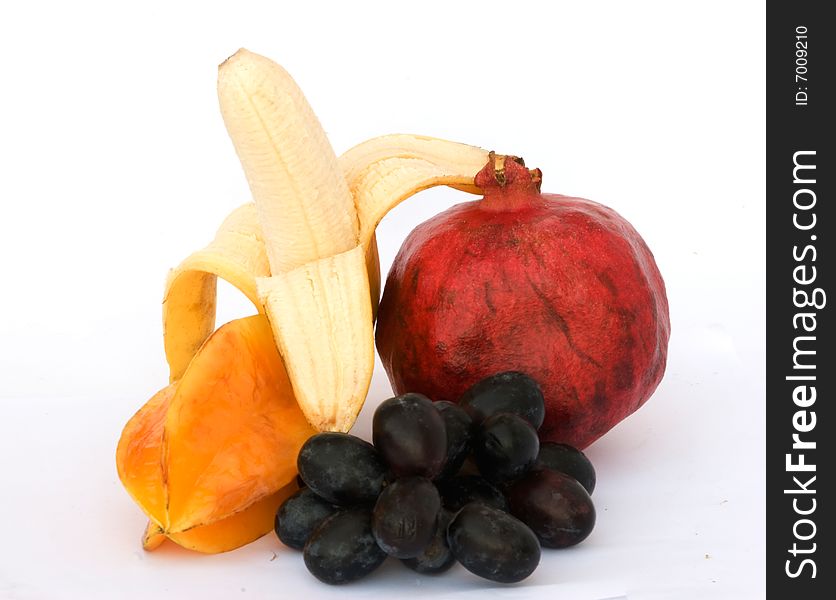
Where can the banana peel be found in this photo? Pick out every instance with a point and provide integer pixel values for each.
(237, 255)
(383, 172)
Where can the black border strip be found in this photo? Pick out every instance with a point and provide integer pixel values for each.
(800, 369)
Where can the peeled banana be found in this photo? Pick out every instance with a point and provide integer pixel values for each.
(304, 205)
(305, 251)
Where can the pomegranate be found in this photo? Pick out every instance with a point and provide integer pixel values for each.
(563, 289)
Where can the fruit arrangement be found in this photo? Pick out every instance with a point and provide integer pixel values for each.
(412, 496)
(561, 289)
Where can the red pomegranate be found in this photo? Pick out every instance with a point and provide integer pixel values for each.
(560, 288)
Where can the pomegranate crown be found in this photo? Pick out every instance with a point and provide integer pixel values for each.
(508, 172)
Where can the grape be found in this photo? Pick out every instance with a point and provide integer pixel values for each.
(342, 548)
(463, 489)
(436, 557)
(555, 506)
(505, 447)
(410, 435)
(569, 460)
(508, 392)
(299, 515)
(405, 516)
(341, 468)
(493, 544)
(458, 426)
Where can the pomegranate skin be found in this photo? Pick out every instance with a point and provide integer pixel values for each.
(563, 289)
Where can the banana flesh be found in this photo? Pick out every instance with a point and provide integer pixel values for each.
(322, 322)
(305, 251)
(309, 220)
(305, 208)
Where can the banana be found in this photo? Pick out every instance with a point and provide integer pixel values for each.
(323, 326)
(305, 208)
(305, 251)
(310, 228)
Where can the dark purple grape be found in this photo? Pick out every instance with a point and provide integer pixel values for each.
(409, 434)
(567, 459)
(493, 544)
(458, 426)
(464, 489)
(436, 557)
(299, 515)
(342, 548)
(341, 468)
(508, 392)
(505, 447)
(405, 515)
(555, 506)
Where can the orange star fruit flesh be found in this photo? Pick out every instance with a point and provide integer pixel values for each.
(139, 451)
(211, 457)
(227, 534)
(152, 537)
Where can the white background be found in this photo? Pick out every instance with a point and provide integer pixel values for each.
(115, 164)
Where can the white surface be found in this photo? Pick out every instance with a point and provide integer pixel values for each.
(114, 164)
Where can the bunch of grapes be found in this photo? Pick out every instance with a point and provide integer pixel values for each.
(443, 482)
